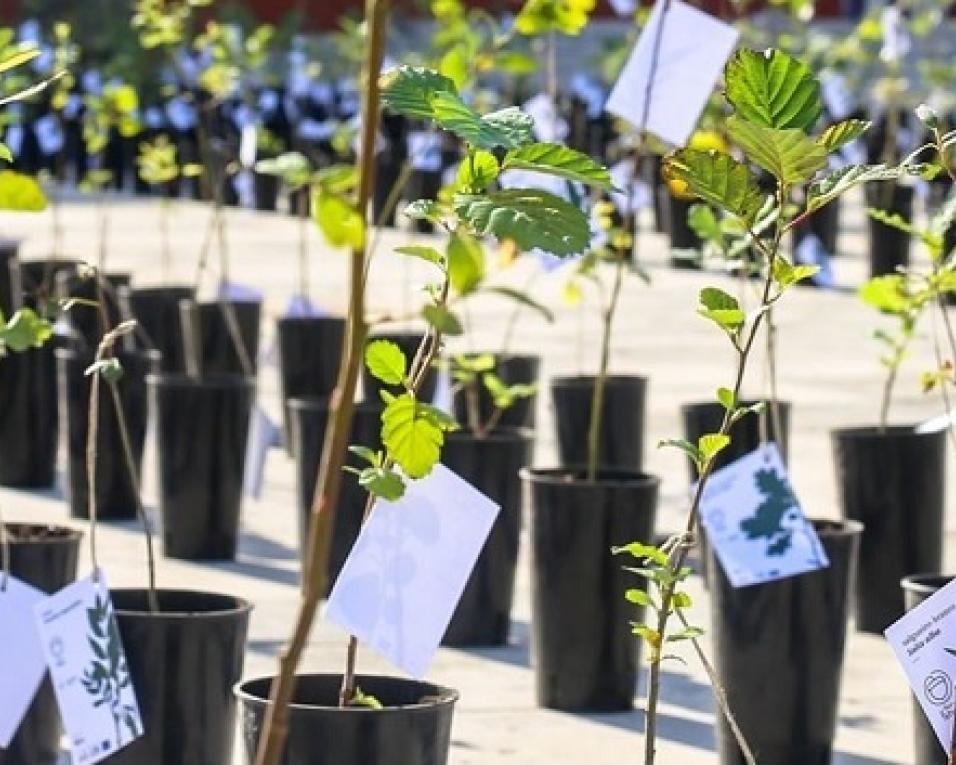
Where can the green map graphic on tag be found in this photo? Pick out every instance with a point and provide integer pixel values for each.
(779, 505)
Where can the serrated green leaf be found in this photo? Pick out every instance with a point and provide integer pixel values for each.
(785, 274)
(382, 482)
(523, 299)
(466, 262)
(773, 90)
(363, 452)
(20, 192)
(886, 294)
(429, 254)
(840, 134)
(292, 167)
(683, 445)
(893, 220)
(386, 361)
(410, 90)
(18, 58)
(703, 222)
(711, 444)
(24, 330)
(476, 172)
(714, 299)
(718, 179)
(412, 439)
(339, 221)
(681, 600)
(531, 217)
(643, 551)
(443, 320)
(555, 159)
(638, 597)
(789, 155)
(508, 128)
(828, 188)
(423, 209)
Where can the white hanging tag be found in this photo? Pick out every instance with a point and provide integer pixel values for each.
(22, 664)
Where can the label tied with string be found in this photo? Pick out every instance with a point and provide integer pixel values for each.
(755, 523)
(81, 642)
(22, 664)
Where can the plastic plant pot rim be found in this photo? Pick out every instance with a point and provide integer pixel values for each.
(62, 535)
(240, 605)
(72, 354)
(499, 435)
(925, 584)
(447, 697)
(830, 527)
(875, 431)
(587, 381)
(324, 403)
(222, 381)
(575, 476)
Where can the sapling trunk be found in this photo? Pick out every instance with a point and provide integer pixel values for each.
(276, 723)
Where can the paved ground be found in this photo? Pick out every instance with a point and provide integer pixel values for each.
(828, 368)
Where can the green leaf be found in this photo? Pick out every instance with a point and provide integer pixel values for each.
(688, 633)
(365, 700)
(18, 58)
(25, 329)
(681, 600)
(507, 128)
(650, 635)
(785, 274)
(412, 437)
(292, 167)
(893, 220)
(5, 153)
(410, 90)
(773, 90)
(555, 159)
(703, 222)
(476, 172)
(642, 551)
(717, 179)
(20, 192)
(423, 253)
(386, 361)
(789, 155)
(443, 320)
(721, 308)
(522, 298)
(842, 133)
(886, 294)
(726, 398)
(110, 369)
(828, 188)
(515, 63)
(466, 262)
(423, 209)
(639, 597)
(683, 445)
(340, 222)
(382, 482)
(711, 444)
(531, 217)
(566, 16)
(363, 452)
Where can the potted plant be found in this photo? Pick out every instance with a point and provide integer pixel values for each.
(772, 127)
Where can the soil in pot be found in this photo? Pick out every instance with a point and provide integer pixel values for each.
(413, 728)
(156, 310)
(916, 589)
(116, 496)
(183, 662)
(309, 420)
(211, 346)
(490, 464)
(46, 557)
(201, 430)
(409, 342)
(779, 654)
(889, 247)
(585, 657)
(622, 421)
(310, 351)
(512, 370)
(893, 482)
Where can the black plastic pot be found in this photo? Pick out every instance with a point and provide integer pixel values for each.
(210, 346)
(707, 417)
(310, 351)
(916, 589)
(409, 343)
(622, 421)
(28, 418)
(309, 420)
(414, 728)
(889, 247)
(894, 484)
(9, 276)
(156, 309)
(183, 662)
(266, 190)
(585, 657)
(46, 557)
(490, 464)
(85, 321)
(779, 655)
(512, 370)
(202, 428)
(38, 279)
(682, 236)
(115, 491)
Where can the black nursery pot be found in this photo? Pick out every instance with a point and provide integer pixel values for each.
(211, 344)
(491, 464)
(183, 662)
(46, 557)
(409, 343)
(622, 423)
(585, 657)
(309, 420)
(682, 236)
(156, 309)
(266, 190)
(779, 655)
(414, 728)
(9, 276)
(85, 322)
(202, 428)
(889, 247)
(310, 351)
(116, 497)
(512, 370)
(707, 417)
(894, 483)
(916, 589)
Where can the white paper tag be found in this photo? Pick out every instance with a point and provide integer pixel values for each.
(403, 578)
(49, 134)
(924, 641)
(263, 435)
(424, 150)
(938, 423)
(755, 524)
(694, 47)
(22, 664)
(88, 667)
